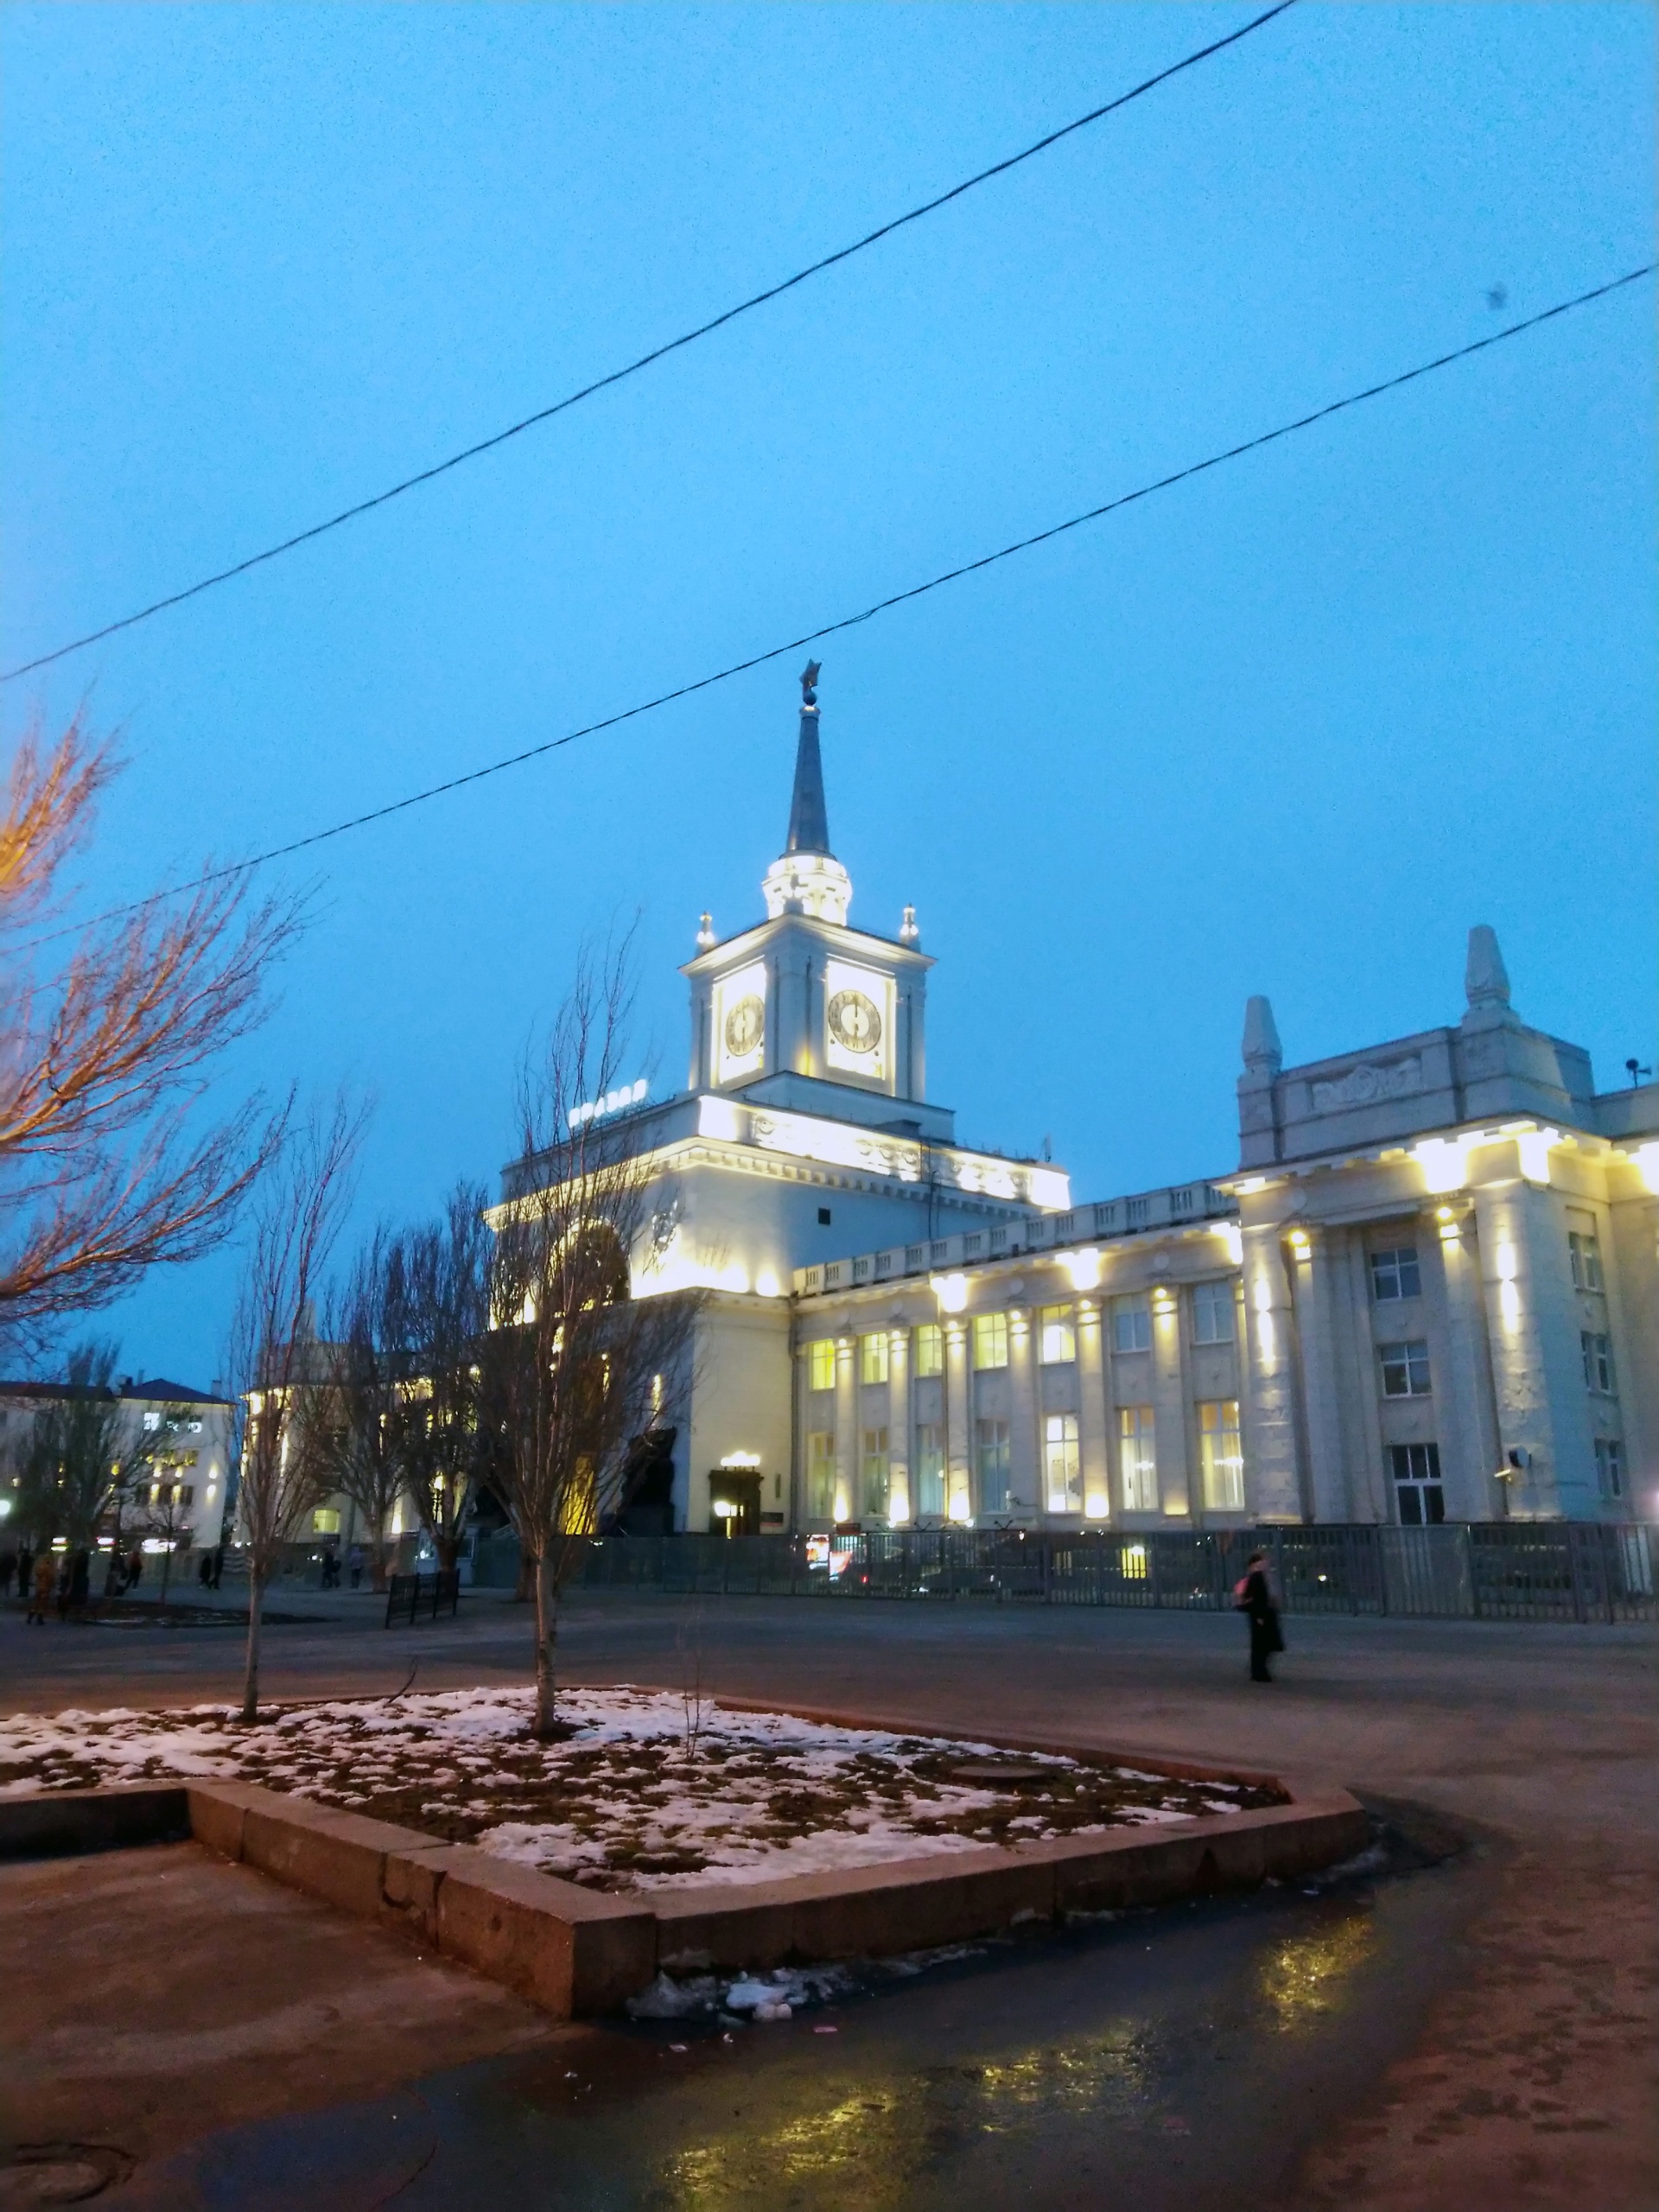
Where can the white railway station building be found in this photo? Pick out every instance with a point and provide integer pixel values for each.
(1428, 1290)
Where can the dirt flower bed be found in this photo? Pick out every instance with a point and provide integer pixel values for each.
(648, 1790)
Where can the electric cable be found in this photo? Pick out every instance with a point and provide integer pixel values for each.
(645, 360)
(881, 606)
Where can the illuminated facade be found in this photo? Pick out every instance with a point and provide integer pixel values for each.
(1429, 1291)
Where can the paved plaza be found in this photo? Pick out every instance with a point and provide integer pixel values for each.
(1473, 2027)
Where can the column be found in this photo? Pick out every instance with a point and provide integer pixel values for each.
(959, 1437)
(847, 1436)
(1269, 1412)
(1311, 1265)
(1094, 1433)
(1169, 1402)
(1469, 1450)
(901, 1505)
(1537, 1365)
(1025, 1449)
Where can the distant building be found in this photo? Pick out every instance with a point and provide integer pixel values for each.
(1429, 1290)
(195, 1462)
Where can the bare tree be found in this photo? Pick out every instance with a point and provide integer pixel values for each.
(274, 1357)
(83, 1457)
(576, 1363)
(446, 1448)
(361, 1441)
(105, 1053)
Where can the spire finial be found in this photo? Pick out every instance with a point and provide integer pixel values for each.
(1263, 1054)
(809, 818)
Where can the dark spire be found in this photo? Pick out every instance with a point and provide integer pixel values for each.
(809, 818)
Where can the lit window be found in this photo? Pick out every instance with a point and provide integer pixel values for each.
(821, 1364)
(821, 1474)
(325, 1522)
(1058, 1340)
(929, 1467)
(1598, 1351)
(1221, 1455)
(1395, 1274)
(991, 1439)
(1212, 1313)
(1062, 1470)
(1405, 1370)
(873, 1359)
(991, 1340)
(1610, 1466)
(1585, 1252)
(874, 1472)
(1131, 1325)
(929, 1349)
(1417, 1492)
(1138, 1458)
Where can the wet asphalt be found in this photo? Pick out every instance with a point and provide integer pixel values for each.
(1147, 2061)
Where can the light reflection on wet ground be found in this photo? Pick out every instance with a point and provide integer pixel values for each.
(1141, 2064)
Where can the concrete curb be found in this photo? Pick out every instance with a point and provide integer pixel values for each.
(578, 1951)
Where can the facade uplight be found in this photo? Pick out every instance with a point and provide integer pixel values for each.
(951, 1290)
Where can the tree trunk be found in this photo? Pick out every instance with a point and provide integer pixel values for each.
(526, 1585)
(167, 1568)
(547, 1630)
(377, 1558)
(449, 1554)
(256, 1611)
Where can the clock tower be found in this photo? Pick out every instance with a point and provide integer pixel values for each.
(804, 1011)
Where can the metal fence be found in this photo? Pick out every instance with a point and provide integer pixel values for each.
(1562, 1570)
(410, 1596)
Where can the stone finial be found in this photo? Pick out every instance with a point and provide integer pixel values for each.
(705, 932)
(909, 933)
(1262, 1052)
(1485, 979)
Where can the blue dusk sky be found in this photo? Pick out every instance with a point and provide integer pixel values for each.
(1291, 728)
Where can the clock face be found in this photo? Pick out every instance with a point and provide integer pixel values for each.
(746, 1025)
(854, 1022)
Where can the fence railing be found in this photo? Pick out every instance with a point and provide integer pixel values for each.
(1569, 1571)
(411, 1597)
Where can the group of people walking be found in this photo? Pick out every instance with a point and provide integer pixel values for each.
(48, 1580)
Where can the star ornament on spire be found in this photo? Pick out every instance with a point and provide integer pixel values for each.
(810, 684)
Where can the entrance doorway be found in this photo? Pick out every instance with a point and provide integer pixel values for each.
(734, 1501)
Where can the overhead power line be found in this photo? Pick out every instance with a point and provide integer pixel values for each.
(645, 360)
(881, 606)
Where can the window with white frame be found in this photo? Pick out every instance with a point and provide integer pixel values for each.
(1584, 1251)
(991, 1450)
(821, 1474)
(1610, 1466)
(1138, 1458)
(1056, 1338)
(1221, 1455)
(1062, 1467)
(929, 1349)
(873, 1358)
(874, 1470)
(1213, 1313)
(821, 1364)
(1597, 1350)
(1394, 1273)
(929, 1468)
(1131, 1323)
(1405, 1368)
(991, 1340)
(1418, 1494)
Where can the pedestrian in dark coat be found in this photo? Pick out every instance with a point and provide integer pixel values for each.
(8, 1568)
(1256, 1601)
(40, 1596)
